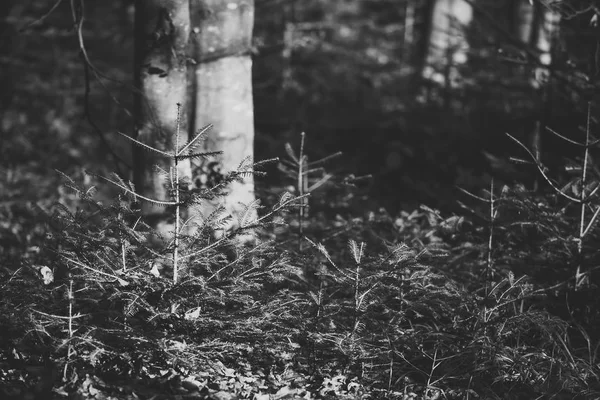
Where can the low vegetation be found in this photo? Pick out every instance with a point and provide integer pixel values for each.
(325, 304)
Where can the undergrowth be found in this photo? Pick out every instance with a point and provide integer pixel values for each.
(416, 306)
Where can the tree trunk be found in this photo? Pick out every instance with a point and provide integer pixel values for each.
(8, 33)
(162, 30)
(536, 26)
(448, 45)
(409, 26)
(424, 22)
(222, 42)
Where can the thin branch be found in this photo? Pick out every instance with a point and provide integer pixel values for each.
(541, 169)
(260, 163)
(195, 138)
(592, 221)
(591, 194)
(59, 316)
(42, 18)
(153, 201)
(164, 153)
(82, 265)
(206, 154)
(520, 161)
(314, 170)
(320, 182)
(473, 195)
(566, 139)
(205, 249)
(326, 158)
(78, 20)
(290, 152)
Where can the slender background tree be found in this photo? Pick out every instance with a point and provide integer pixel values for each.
(536, 26)
(162, 31)
(219, 92)
(448, 45)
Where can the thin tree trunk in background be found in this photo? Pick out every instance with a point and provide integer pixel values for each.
(162, 30)
(424, 22)
(544, 39)
(222, 41)
(8, 32)
(537, 26)
(409, 26)
(288, 14)
(523, 19)
(287, 52)
(289, 36)
(447, 45)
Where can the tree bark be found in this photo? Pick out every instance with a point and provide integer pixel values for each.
(162, 30)
(221, 46)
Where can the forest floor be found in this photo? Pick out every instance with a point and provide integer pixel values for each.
(337, 302)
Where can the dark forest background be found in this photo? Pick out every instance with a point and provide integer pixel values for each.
(345, 72)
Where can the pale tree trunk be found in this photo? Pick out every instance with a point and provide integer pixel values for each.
(447, 41)
(286, 55)
(162, 30)
(537, 26)
(409, 26)
(424, 24)
(222, 42)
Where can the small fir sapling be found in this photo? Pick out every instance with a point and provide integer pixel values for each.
(221, 230)
(100, 255)
(180, 196)
(491, 221)
(307, 176)
(581, 190)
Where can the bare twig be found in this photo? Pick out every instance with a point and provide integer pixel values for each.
(541, 169)
(42, 18)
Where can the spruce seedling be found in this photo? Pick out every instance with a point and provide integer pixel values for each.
(308, 177)
(181, 197)
(68, 321)
(175, 184)
(493, 213)
(582, 188)
(362, 286)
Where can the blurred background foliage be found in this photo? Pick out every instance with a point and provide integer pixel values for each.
(346, 72)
